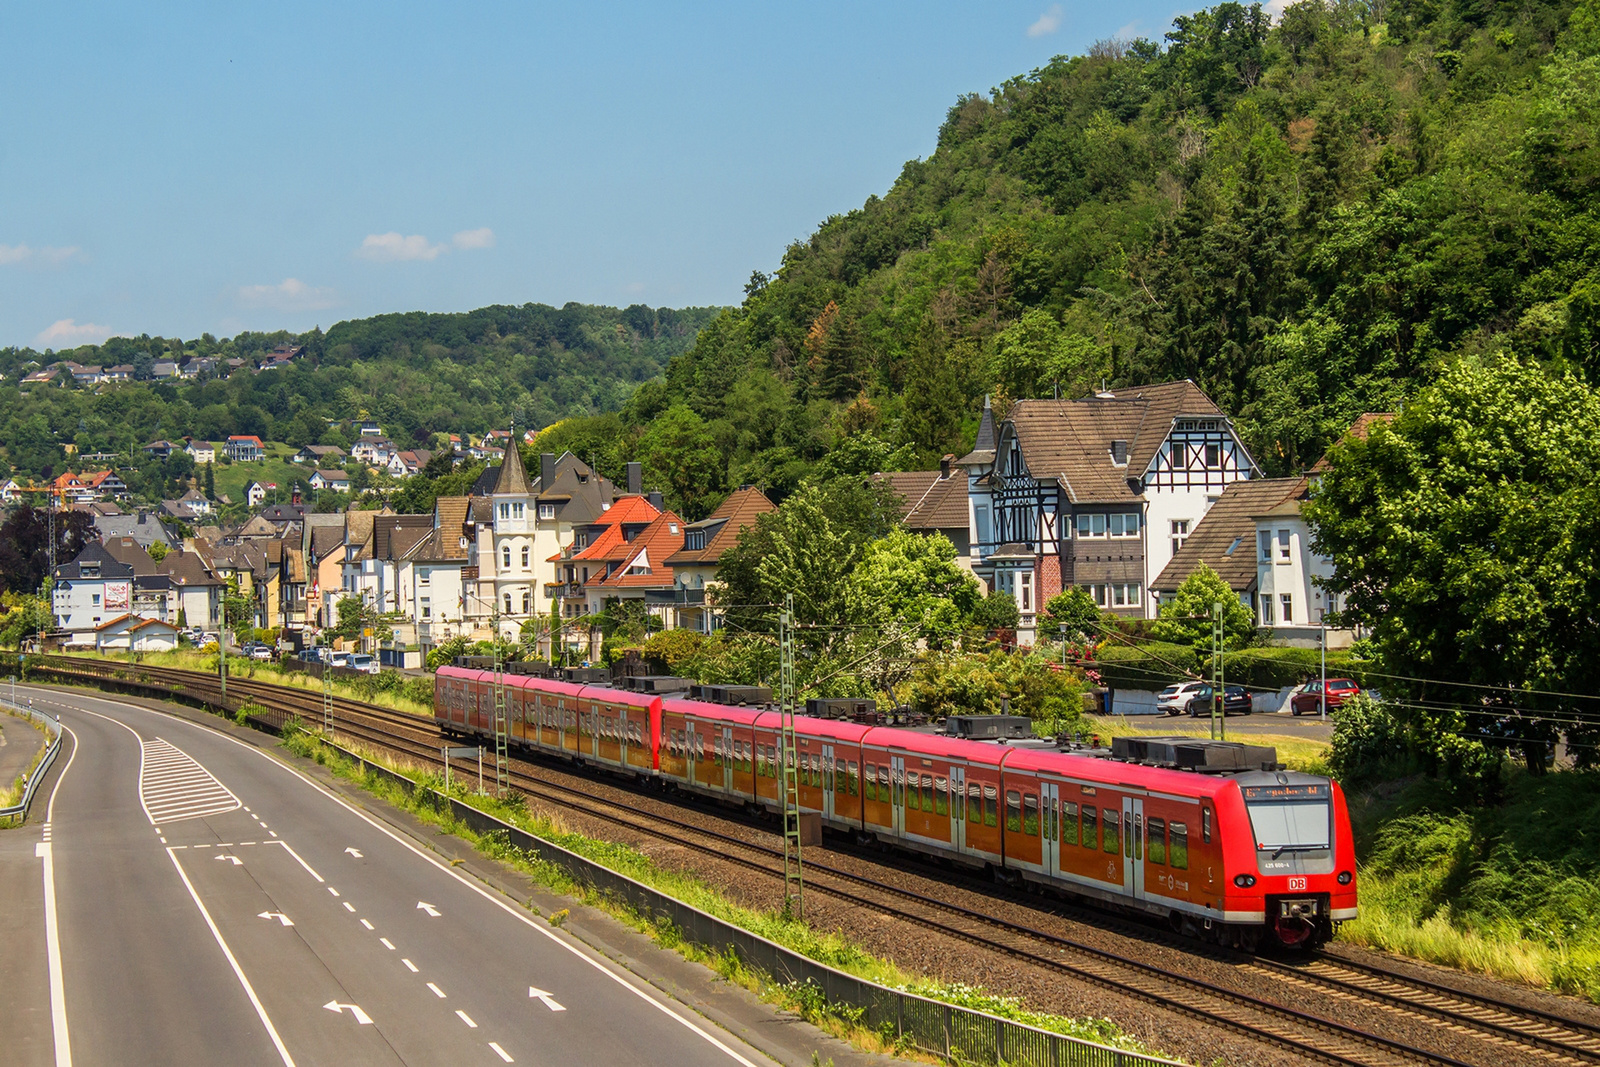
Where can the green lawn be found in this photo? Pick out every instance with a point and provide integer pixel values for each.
(232, 479)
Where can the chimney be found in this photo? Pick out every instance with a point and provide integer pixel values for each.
(142, 516)
(655, 500)
(547, 471)
(635, 478)
(944, 465)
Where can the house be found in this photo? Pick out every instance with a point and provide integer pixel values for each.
(368, 428)
(287, 352)
(336, 481)
(11, 491)
(1099, 492)
(642, 573)
(935, 502)
(106, 484)
(322, 548)
(319, 456)
(375, 542)
(144, 526)
(161, 449)
(694, 566)
(41, 377)
(91, 589)
(196, 502)
(133, 633)
(255, 494)
(244, 448)
(71, 489)
(272, 363)
(164, 368)
(410, 462)
(199, 367)
(88, 375)
(201, 451)
(122, 372)
(597, 550)
(1225, 539)
(455, 443)
(196, 591)
(433, 574)
(373, 451)
(282, 516)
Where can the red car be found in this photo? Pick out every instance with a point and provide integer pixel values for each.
(1309, 700)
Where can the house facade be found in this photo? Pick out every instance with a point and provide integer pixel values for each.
(1097, 493)
(244, 448)
(694, 566)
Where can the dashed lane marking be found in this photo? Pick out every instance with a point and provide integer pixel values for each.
(502, 1053)
(173, 787)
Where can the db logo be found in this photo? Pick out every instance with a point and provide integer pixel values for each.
(1297, 885)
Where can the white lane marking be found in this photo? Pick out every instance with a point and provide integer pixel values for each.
(280, 916)
(550, 935)
(354, 1009)
(237, 862)
(548, 1001)
(467, 1019)
(366, 924)
(384, 941)
(309, 870)
(173, 786)
(349, 906)
(502, 1053)
(261, 1011)
(412, 967)
(356, 852)
(332, 890)
(433, 912)
(436, 990)
(52, 939)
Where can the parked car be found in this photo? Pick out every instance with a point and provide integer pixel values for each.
(365, 663)
(1235, 700)
(1177, 699)
(1309, 700)
(339, 659)
(261, 652)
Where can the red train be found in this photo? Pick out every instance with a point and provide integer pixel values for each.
(1234, 857)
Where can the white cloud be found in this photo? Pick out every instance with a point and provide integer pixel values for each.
(1048, 23)
(69, 333)
(1275, 8)
(11, 255)
(391, 247)
(469, 239)
(291, 294)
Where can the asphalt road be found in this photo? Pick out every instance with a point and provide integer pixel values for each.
(213, 905)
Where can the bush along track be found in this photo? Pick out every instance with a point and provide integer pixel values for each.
(828, 949)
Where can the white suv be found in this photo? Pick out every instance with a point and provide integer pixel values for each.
(1175, 699)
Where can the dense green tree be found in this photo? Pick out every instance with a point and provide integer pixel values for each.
(1466, 536)
(680, 455)
(1073, 608)
(997, 611)
(1187, 617)
(908, 584)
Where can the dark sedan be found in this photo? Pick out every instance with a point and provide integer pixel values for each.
(1235, 701)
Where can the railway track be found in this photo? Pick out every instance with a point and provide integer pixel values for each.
(1511, 1030)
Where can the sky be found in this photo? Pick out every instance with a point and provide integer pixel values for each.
(177, 169)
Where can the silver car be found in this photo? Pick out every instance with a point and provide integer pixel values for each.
(1175, 699)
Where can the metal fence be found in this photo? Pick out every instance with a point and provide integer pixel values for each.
(957, 1034)
(54, 727)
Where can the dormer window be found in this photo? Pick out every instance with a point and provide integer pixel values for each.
(1119, 453)
(694, 540)
(547, 511)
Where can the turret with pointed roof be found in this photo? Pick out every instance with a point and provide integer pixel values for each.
(513, 479)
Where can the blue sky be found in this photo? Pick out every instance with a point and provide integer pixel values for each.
(176, 169)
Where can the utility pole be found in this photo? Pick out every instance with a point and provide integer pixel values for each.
(222, 655)
(1218, 672)
(327, 693)
(793, 879)
(1322, 656)
(502, 765)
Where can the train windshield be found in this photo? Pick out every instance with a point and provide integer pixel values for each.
(1290, 818)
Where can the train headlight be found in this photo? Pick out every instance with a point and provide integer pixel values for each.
(1345, 877)
(1244, 881)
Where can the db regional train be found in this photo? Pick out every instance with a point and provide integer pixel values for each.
(1240, 858)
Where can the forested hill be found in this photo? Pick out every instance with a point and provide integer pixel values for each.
(1308, 218)
(417, 374)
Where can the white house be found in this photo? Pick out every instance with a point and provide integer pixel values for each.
(132, 633)
(373, 451)
(338, 481)
(91, 589)
(255, 494)
(202, 451)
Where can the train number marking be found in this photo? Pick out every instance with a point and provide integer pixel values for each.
(1297, 885)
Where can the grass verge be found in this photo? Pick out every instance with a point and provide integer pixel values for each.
(12, 794)
(827, 948)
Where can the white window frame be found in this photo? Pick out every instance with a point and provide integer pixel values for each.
(547, 511)
(1264, 545)
(1286, 601)
(1284, 550)
(1180, 533)
(1025, 592)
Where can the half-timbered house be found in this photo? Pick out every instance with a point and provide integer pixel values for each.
(1097, 492)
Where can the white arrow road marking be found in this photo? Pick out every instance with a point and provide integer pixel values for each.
(354, 852)
(549, 1001)
(355, 1009)
(433, 912)
(280, 916)
(235, 860)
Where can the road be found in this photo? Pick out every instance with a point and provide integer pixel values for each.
(1311, 727)
(211, 904)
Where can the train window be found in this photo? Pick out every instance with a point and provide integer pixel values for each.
(927, 792)
(1091, 828)
(883, 783)
(1155, 834)
(819, 773)
(1013, 810)
(1205, 825)
(841, 777)
(913, 797)
(941, 796)
(854, 776)
(1179, 853)
(1030, 815)
(700, 746)
(991, 806)
(1113, 832)
(1069, 823)
(870, 780)
(975, 803)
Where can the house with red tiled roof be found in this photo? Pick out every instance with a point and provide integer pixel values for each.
(643, 569)
(598, 548)
(244, 448)
(694, 566)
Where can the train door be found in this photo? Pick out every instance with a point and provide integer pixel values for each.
(1050, 824)
(827, 780)
(691, 734)
(1133, 846)
(958, 808)
(897, 765)
(727, 758)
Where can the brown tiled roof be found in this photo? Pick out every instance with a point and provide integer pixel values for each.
(186, 569)
(1070, 440)
(439, 546)
(127, 550)
(1225, 540)
(1359, 429)
(450, 513)
(932, 501)
(723, 527)
(395, 535)
(358, 531)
